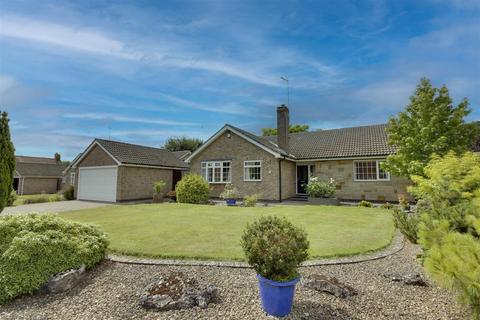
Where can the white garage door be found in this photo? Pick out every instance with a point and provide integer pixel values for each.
(99, 183)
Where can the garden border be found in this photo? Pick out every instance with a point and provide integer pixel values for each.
(396, 245)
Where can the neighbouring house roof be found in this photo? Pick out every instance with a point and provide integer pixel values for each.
(27, 159)
(133, 154)
(72, 162)
(364, 141)
(182, 155)
(39, 169)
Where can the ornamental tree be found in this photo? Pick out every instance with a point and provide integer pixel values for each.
(7, 161)
(182, 143)
(429, 125)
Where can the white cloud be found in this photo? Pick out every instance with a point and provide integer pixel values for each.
(122, 118)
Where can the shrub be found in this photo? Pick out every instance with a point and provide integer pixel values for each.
(403, 202)
(11, 199)
(37, 199)
(69, 193)
(407, 223)
(55, 197)
(320, 189)
(365, 204)
(387, 205)
(275, 248)
(36, 247)
(251, 201)
(192, 189)
(229, 192)
(158, 186)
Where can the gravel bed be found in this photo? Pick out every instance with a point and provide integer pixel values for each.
(112, 289)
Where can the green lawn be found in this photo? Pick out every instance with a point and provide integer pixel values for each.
(213, 232)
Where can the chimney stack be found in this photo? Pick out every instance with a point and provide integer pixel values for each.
(283, 124)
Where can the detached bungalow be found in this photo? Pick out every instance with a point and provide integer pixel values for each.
(37, 175)
(278, 167)
(114, 171)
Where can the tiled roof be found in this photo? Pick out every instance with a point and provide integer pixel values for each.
(26, 159)
(365, 141)
(182, 155)
(39, 169)
(127, 153)
(267, 142)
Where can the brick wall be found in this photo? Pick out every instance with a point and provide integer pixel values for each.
(136, 183)
(39, 185)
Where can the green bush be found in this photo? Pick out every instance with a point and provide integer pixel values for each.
(275, 248)
(11, 199)
(387, 205)
(158, 186)
(192, 189)
(449, 231)
(36, 247)
(69, 193)
(320, 189)
(37, 199)
(407, 223)
(251, 201)
(229, 192)
(365, 204)
(55, 197)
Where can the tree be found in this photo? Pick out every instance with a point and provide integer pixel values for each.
(182, 143)
(7, 161)
(429, 125)
(58, 158)
(292, 129)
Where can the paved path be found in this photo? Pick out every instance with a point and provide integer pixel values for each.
(53, 207)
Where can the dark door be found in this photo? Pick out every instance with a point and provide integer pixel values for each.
(15, 184)
(302, 179)
(177, 176)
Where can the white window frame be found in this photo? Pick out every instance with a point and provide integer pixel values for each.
(377, 166)
(245, 166)
(72, 178)
(221, 162)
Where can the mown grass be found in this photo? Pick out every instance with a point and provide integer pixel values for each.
(213, 232)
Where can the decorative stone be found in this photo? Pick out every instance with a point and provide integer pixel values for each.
(64, 281)
(176, 291)
(324, 201)
(329, 285)
(414, 279)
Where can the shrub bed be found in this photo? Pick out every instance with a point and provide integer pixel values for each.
(36, 247)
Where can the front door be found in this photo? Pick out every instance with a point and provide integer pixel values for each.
(177, 176)
(302, 179)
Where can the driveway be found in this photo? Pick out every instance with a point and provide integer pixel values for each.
(52, 207)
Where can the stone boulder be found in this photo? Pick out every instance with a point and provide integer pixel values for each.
(64, 281)
(329, 285)
(414, 279)
(176, 291)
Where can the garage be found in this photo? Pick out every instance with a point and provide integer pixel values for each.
(98, 184)
(113, 171)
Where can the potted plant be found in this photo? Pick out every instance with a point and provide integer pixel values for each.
(157, 191)
(229, 194)
(321, 192)
(275, 248)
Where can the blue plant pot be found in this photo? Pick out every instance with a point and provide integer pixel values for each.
(277, 297)
(231, 202)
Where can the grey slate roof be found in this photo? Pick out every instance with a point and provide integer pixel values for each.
(365, 141)
(39, 169)
(127, 153)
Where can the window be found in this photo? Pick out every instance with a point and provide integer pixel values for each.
(72, 178)
(252, 170)
(216, 171)
(369, 170)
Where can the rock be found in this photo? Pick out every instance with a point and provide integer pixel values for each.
(326, 284)
(64, 281)
(414, 279)
(176, 291)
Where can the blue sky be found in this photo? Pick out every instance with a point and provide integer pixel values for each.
(140, 71)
